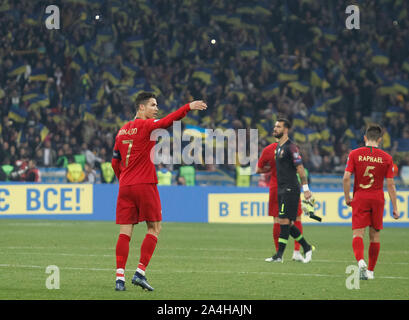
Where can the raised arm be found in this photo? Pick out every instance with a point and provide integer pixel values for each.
(178, 114)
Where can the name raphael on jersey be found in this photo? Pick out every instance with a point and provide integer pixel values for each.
(370, 159)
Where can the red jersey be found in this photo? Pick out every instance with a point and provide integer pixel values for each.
(268, 157)
(370, 166)
(131, 160)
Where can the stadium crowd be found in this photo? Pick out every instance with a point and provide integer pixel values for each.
(66, 92)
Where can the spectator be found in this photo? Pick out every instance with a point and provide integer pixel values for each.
(90, 174)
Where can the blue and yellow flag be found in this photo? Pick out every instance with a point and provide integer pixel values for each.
(299, 135)
(379, 57)
(299, 121)
(38, 74)
(112, 75)
(270, 90)
(401, 86)
(135, 41)
(17, 69)
(318, 117)
(249, 52)
(394, 111)
(40, 101)
(287, 75)
(203, 74)
(18, 114)
(301, 86)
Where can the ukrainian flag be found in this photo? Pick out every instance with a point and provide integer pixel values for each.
(386, 89)
(234, 19)
(401, 86)
(130, 69)
(246, 10)
(312, 134)
(219, 17)
(249, 52)
(333, 100)
(112, 75)
(327, 146)
(262, 9)
(299, 121)
(195, 131)
(38, 74)
(39, 101)
(287, 75)
(318, 117)
(316, 78)
(239, 94)
(175, 49)
(76, 63)
(44, 131)
(379, 57)
(300, 136)
(325, 134)
(32, 20)
(270, 90)
(103, 36)
(135, 42)
(203, 74)
(17, 69)
(17, 114)
(329, 34)
(394, 111)
(301, 86)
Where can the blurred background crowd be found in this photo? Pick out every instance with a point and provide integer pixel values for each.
(65, 93)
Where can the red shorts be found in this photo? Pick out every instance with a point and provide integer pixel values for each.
(137, 203)
(273, 204)
(367, 212)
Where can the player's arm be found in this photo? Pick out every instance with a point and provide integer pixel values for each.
(116, 161)
(304, 181)
(346, 181)
(262, 165)
(180, 113)
(390, 184)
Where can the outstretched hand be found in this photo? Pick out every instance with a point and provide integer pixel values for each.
(198, 105)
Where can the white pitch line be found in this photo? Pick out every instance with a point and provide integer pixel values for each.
(159, 256)
(272, 273)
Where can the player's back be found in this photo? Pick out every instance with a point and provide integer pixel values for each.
(370, 166)
(134, 144)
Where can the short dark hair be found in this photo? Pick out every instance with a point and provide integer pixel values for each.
(373, 132)
(143, 97)
(287, 123)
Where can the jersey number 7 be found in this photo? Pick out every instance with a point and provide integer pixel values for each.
(128, 154)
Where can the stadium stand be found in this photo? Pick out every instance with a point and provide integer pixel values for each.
(66, 92)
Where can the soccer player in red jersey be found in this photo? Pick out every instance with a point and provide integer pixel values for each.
(370, 166)
(267, 164)
(138, 197)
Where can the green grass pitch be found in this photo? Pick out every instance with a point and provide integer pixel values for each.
(192, 261)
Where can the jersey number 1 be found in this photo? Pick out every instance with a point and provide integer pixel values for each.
(370, 175)
(128, 154)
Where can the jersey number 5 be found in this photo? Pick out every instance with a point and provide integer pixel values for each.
(128, 154)
(370, 175)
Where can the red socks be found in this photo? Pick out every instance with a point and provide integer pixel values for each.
(122, 250)
(298, 224)
(276, 234)
(147, 249)
(374, 248)
(358, 247)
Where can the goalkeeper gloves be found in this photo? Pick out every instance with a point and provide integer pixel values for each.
(307, 207)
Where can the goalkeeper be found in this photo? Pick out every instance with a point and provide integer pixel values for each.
(288, 164)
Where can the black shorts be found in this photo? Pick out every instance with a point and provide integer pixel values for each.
(288, 205)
